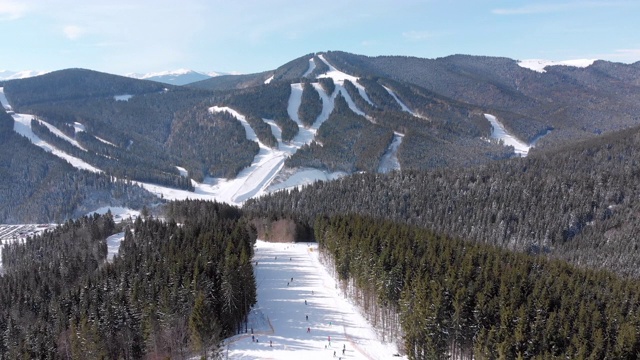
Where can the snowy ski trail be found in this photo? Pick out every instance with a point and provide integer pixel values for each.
(287, 276)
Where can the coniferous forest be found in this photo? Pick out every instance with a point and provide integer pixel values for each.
(173, 291)
(442, 297)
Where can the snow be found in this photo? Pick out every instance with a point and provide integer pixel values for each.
(62, 135)
(12, 75)
(123, 97)
(501, 134)
(113, 245)
(312, 66)
(339, 77)
(269, 79)
(19, 233)
(280, 314)
(3, 100)
(79, 127)
(183, 171)
(22, 126)
(389, 161)
(105, 141)
(538, 65)
(262, 176)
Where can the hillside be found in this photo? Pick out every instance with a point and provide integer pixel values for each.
(576, 203)
(320, 116)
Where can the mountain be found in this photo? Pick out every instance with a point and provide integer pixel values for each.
(478, 207)
(176, 77)
(321, 116)
(12, 75)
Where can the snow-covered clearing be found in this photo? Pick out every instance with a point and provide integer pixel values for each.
(124, 97)
(279, 319)
(501, 134)
(312, 66)
(389, 161)
(3, 100)
(269, 79)
(113, 245)
(61, 135)
(19, 233)
(538, 65)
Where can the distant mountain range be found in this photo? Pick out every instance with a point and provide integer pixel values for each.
(173, 77)
(176, 77)
(12, 75)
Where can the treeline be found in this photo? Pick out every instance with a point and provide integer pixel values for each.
(268, 101)
(576, 203)
(172, 291)
(115, 161)
(263, 131)
(216, 144)
(310, 105)
(446, 298)
(345, 142)
(38, 187)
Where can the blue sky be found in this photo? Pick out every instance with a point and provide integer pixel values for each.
(122, 36)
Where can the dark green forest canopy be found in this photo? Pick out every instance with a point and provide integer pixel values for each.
(172, 291)
(470, 299)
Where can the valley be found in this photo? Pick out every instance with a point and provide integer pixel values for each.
(449, 200)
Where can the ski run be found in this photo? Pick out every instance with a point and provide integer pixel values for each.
(301, 313)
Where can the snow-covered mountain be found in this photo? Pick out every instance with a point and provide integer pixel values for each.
(538, 65)
(176, 77)
(11, 75)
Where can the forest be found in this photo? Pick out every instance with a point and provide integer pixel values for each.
(172, 291)
(446, 298)
(576, 204)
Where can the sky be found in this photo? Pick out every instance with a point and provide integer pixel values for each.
(247, 36)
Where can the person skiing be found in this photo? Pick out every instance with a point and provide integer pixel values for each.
(308, 329)
(307, 317)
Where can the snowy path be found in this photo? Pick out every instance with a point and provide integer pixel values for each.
(500, 133)
(389, 161)
(280, 315)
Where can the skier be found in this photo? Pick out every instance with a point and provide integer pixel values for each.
(271, 345)
(253, 338)
(287, 284)
(308, 329)
(305, 302)
(291, 279)
(307, 316)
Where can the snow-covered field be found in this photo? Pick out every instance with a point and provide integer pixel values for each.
(288, 275)
(538, 65)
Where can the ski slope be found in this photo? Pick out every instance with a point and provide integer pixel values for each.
(501, 134)
(279, 319)
(265, 174)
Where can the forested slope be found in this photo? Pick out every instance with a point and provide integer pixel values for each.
(173, 291)
(443, 297)
(577, 204)
(38, 187)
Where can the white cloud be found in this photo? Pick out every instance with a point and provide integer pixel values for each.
(418, 35)
(11, 10)
(73, 32)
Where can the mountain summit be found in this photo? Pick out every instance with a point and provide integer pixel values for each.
(176, 77)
